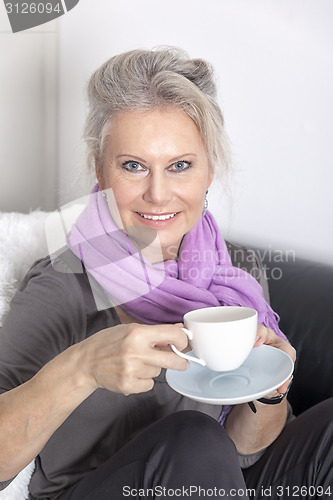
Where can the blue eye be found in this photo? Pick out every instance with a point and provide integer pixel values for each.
(132, 166)
(181, 166)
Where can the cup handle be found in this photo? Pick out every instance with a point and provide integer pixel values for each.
(186, 356)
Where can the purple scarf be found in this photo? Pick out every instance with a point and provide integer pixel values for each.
(202, 276)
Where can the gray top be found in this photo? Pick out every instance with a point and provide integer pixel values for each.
(51, 311)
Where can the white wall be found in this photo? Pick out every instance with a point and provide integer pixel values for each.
(28, 132)
(274, 63)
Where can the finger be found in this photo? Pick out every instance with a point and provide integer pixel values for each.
(169, 360)
(140, 385)
(140, 370)
(143, 339)
(162, 335)
(258, 342)
(284, 387)
(149, 371)
(167, 348)
(261, 336)
(158, 335)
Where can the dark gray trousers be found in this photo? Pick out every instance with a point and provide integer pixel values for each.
(189, 455)
(299, 464)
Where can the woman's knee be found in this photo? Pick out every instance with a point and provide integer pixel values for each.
(195, 449)
(191, 423)
(196, 432)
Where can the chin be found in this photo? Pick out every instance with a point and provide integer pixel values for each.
(170, 248)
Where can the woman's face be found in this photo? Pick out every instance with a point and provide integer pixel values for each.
(157, 166)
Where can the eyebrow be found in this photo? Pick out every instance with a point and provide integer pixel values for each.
(137, 158)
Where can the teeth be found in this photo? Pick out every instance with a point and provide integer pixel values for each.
(158, 217)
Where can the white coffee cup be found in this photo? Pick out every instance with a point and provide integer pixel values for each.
(221, 337)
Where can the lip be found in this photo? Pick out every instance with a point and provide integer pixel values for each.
(157, 223)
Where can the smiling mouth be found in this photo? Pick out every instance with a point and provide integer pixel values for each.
(158, 217)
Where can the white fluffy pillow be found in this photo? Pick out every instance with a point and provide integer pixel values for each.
(22, 241)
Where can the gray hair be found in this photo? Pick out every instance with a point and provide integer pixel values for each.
(143, 80)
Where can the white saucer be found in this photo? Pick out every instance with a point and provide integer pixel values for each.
(265, 369)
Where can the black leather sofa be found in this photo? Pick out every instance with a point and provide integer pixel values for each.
(301, 292)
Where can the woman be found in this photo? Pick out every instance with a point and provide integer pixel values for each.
(83, 385)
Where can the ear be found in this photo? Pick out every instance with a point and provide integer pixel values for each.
(210, 177)
(99, 174)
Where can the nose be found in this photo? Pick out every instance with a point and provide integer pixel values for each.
(158, 189)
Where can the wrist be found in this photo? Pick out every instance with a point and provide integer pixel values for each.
(77, 360)
(66, 371)
(271, 398)
(55, 392)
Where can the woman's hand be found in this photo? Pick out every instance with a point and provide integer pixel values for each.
(126, 358)
(268, 337)
(250, 431)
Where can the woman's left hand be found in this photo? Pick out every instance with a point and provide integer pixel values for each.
(268, 337)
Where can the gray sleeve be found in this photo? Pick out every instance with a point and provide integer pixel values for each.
(47, 315)
(4, 484)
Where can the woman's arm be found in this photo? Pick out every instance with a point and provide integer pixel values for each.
(31, 413)
(251, 431)
(122, 359)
